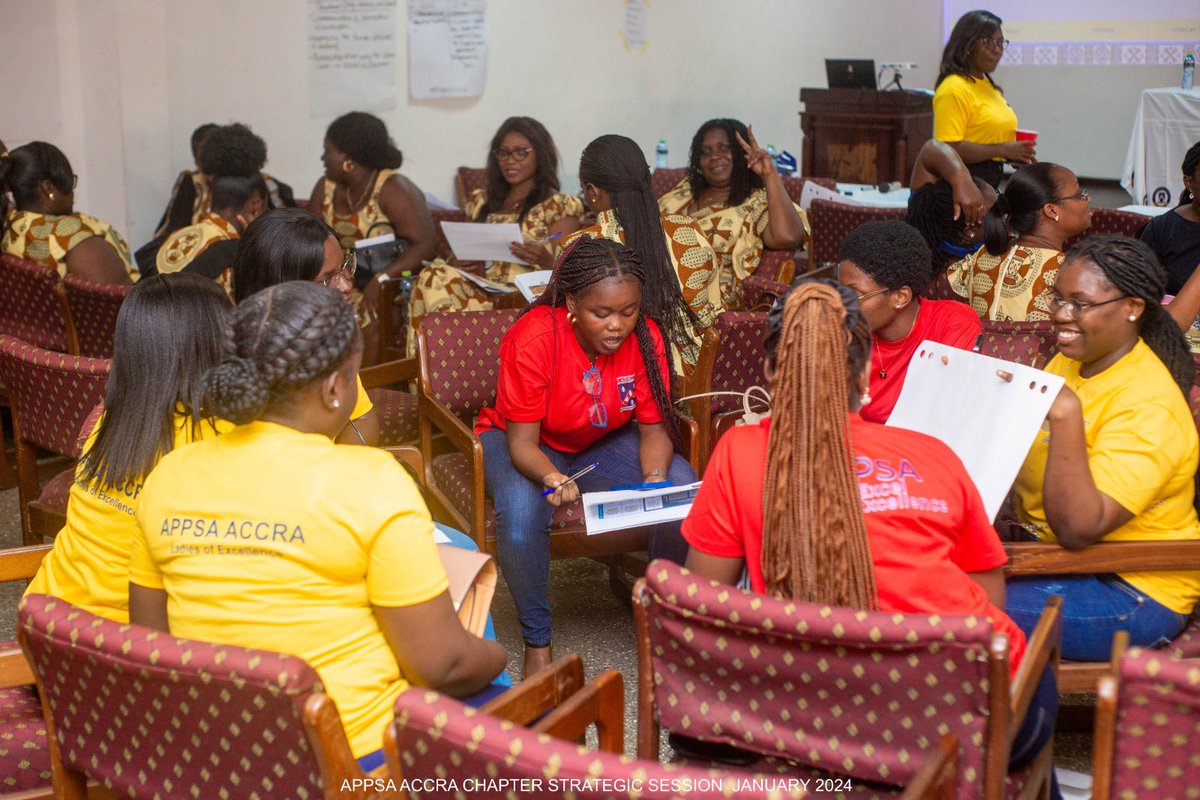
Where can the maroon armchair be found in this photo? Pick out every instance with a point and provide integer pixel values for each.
(93, 308)
(1111, 220)
(467, 180)
(34, 307)
(1028, 343)
(849, 692)
(175, 718)
(52, 395)
(831, 222)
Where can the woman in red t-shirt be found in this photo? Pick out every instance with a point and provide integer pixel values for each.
(896, 524)
(888, 264)
(584, 360)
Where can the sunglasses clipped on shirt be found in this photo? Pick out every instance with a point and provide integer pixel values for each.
(593, 384)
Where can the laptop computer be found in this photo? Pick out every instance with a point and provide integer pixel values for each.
(850, 73)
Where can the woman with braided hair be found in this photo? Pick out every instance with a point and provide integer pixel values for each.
(947, 204)
(1118, 462)
(1025, 230)
(682, 270)
(272, 536)
(583, 361)
(818, 505)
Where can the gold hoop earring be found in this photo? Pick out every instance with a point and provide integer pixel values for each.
(571, 318)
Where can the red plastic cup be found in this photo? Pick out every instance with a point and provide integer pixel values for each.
(1026, 136)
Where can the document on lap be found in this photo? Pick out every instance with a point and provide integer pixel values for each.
(483, 241)
(634, 508)
(989, 422)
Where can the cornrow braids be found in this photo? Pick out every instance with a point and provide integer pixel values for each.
(587, 261)
(1191, 161)
(815, 545)
(278, 341)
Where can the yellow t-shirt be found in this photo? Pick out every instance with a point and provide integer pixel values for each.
(271, 538)
(967, 110)
(362, 403)
(1142, 451)
(89, 565)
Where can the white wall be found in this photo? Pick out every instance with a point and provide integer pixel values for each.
(120, 84)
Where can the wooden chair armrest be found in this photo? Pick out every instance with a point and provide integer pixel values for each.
(14, 669)
(327, 737)
(410, 456)
(689, 433)
(389, 373)
(539, 693)
(938, 777)
(1041, 651)
(602, 701)
(22, 563)
(1047, 558)
(460, 436)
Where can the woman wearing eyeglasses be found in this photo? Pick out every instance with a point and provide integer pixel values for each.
(734, 193)
(1025, 230)
(969, 109)
(1119, 460)
(522, 187)
(583, 362)
(43, 225)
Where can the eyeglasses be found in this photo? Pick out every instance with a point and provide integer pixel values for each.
(723, 149)
(592, 384)
(1076, 308)
(997, 44)
(516, 154)
(1080, 195)
(869, 295)
(346, 273)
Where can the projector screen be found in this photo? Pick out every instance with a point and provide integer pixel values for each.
(1102, 33)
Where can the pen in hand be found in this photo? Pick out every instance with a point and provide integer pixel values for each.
(571, 479)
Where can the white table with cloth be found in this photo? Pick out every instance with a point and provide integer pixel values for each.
(1166, 125)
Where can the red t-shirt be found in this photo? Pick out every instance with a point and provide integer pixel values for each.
(943, 321)
(541, 380)
(925, 520)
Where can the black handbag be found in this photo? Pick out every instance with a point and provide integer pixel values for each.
(375, 252)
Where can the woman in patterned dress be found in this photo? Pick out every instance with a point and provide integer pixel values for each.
(363, 195)
(616, 186)
(736, 196)
(43, 226)
(522, 187)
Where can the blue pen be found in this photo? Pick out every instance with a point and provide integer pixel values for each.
(549, 238)
(571, 479)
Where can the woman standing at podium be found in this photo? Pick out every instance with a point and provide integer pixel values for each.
(969, 110)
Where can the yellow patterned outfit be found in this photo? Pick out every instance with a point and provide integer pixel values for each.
(363, 223)
(1026, 274)
(47, 238)
(186, 245)
(440, 288)
(696, 265)
(735, 233)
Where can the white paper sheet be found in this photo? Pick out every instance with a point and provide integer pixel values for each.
(483, 283)
(351, 56)
(988, 422)
(641, 508)
(447, 48)
(483, 241)
(815, 191)
(532, 284)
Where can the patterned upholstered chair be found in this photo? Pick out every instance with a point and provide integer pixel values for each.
(93, 308)
(1028, 343)
(24, 759)
(731, 360)
(441, 245)
(52, 394)
(437, 737)
(396, 407)
(664, 179)
(1147, 721)
(831, 222)
(467, 180)
(174, 718)
(35, 306)
(851, 692)
(1111, 220)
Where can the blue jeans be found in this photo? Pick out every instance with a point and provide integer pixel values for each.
(523, 515)
(1094, 608)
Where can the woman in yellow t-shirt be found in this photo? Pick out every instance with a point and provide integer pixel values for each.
(168, 336)
(1119, 461)
(969, 109)
(273, 536)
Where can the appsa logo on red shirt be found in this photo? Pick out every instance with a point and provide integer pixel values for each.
(625, 392)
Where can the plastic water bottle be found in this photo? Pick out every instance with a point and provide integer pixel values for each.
(406, 283)
(1189, 70)
(660, 154)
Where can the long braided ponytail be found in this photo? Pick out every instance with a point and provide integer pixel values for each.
(815, 545)
(276, 342)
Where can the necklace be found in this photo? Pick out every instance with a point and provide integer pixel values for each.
(883, 368)
(370, 185)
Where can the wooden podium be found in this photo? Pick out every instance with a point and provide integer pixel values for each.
(863, 135)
